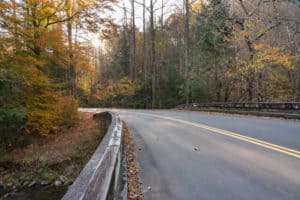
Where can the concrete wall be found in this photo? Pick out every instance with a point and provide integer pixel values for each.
(104, 176)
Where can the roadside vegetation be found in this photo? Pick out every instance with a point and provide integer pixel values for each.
(201, 51)
(57, 55)
(54, 162)
(155, 54)
(46, 70)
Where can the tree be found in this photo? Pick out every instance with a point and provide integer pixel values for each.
(133, 67)
(251, 35)
(212, 32)
(35, 62)
(186, 49)
(207, 51)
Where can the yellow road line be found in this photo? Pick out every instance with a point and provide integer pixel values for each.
(267, 145)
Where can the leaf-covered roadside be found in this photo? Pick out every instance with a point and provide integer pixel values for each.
(135, 190)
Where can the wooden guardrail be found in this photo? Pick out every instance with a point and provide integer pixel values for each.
(103, 176)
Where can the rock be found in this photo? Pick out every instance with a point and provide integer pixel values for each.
(29, 177)
(32, 183)
(69, 170)
(63, 179)
(6, 176)
(57, 183)
(68, 183)
(25, 183)
(196, 148)
(9, 184)
(44, 183)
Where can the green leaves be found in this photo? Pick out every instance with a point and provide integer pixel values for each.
(14, 115)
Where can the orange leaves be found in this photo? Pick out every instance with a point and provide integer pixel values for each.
(43, 114)
(48, 112)
(122, 88)
(37, 59)
(28, 60)
(25, 69)
(125, 87)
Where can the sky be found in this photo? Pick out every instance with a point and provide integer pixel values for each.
(118, 13)
(169, 5)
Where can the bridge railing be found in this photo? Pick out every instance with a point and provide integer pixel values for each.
(261, 105)
(104, 176)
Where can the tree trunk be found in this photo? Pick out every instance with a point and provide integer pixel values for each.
(250, 86)
(186, 51)
(133, 69)
(15, 24)
(218, 85)
(72, 72)
(298, 83)
(153, 56)
(144, 43)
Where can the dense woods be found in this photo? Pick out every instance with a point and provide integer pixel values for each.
(45, 67)
(163, 53)
(201, 51)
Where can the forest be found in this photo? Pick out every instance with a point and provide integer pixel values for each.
(201, 51)
(151, 54)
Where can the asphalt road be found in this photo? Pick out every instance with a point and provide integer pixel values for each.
(190, 155)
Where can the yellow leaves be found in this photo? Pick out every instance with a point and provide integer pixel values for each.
(268, 56)
(125, 87)
(43, 114)
(28, 60)
(265, 57)
(25, 69)
(196, 6)
(84, 64)
(84, 3)
(278, 80)
(244, 33)
(48, 112)
(252, 23)
(68, 110)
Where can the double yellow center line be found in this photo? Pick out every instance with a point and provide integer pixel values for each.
(267, 145)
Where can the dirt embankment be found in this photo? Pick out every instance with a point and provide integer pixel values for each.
(56, 161)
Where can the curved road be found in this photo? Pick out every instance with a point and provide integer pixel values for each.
(192, 155)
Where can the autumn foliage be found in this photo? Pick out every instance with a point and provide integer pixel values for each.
(43, 68)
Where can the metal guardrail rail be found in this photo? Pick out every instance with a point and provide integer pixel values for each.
(261, 105)
(280, 109)
(104, 176)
